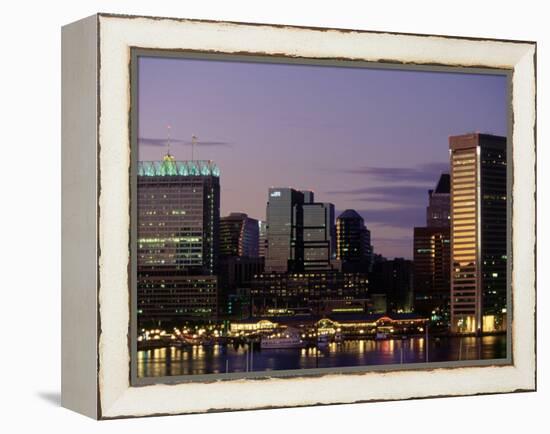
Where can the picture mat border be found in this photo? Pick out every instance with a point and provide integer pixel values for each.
(116, 397)
(138, 52)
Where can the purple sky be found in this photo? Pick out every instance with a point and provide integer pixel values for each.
(367, 139)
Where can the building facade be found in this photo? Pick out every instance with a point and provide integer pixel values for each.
(234, 280)
(178, 206)
(432, 272)
(438, 212)
(300, 233)
(431, 256)
(169, 296)
(239, 236)
(478, 233)
(394, 279)
(284, 229)
(319, 235)
(353, 245)
(314, 291)
(262, 243)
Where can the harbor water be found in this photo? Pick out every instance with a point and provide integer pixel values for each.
(219, 359)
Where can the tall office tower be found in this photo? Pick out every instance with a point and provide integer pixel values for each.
(262, 241)
(353, 246)
(438, 212)
(178, 206)
(309, 196)
(300, 232)
(239, 235)
(432, 266)
(284, 230)
(239, 260)
(432, 272)
(319, 236)
(478, 233)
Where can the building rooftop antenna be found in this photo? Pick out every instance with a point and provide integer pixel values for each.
(168, 133)
(168, 156)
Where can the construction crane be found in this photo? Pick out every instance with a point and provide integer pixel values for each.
(168, 133)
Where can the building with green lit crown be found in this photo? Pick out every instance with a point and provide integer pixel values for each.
(178, 222)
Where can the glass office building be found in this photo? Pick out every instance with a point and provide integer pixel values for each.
(432, 272)
(478, 233)
(319, 235)
(432, 266)
(284, 230)
(438, 212)
(178, 206)
(300, 232)
(239, 235)
(353, 247)
(262, 247)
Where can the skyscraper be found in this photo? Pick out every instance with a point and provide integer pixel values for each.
(432, 285)
(319, 234)
(284, 229)
(262, 244)
(239, 235)
(299, 269)
(178, 232)
(239, 261)
(438, 212)
(432, 267)
(300, 232)
(478, 233)
(353, 246)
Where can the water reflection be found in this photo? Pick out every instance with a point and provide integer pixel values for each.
(242, 358)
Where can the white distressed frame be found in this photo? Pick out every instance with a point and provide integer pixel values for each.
(115, 397)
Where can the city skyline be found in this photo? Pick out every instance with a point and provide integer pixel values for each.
(311, 222)
(254, 119)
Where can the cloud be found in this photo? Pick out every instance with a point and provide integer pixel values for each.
(154, 141)
(424, 173)
(395, 194)
(403, 217)
(403, 188)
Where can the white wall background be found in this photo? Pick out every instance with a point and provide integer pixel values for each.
(30, 214)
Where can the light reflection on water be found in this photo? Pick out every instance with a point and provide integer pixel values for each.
(237, 358)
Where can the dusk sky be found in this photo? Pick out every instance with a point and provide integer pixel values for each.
(368, 139)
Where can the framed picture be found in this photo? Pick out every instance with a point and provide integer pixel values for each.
(260, 216)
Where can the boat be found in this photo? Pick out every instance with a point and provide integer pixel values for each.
(288, 338)
(381, 336)
(190, 340)
(182, 345)
(207, 341)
